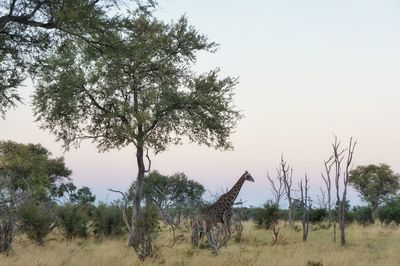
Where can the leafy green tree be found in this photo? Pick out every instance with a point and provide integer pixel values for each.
(175, 191)
(30, 28)
(375, 183)
(26, 173)
(141, 92)
(390, 211)
(28, 168)
(83, 196)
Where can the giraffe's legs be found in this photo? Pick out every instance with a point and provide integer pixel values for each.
(226, 226)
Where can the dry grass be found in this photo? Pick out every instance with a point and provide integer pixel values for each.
(372, 245)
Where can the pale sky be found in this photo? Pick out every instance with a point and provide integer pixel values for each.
(307, 69)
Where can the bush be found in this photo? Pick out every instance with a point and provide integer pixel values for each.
(149, 229)
(318, 215)
(390, 211)
(108, 221)
(362, 215)
(36, 219)
(74, 220)
(268, 216)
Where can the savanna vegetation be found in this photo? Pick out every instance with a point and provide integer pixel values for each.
(125, 78)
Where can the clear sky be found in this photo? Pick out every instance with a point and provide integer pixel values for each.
(307, 69)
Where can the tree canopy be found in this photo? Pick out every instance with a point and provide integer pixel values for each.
(375, 183)
(30, 28)
(175, 191)
(29, 168)
(141, 90)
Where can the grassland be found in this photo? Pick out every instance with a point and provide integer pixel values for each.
(371, 245)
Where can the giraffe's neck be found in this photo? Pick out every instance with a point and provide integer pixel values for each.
(233, 193)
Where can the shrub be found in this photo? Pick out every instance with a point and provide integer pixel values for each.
(362, 215)
(108, 220)
(149, 229)
(390, 211)
(268, 216)
(35, 218)
(318, 215)
(74, 220)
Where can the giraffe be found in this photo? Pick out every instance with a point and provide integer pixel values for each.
(221, 210)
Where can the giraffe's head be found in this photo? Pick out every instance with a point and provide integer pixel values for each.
(247, 176)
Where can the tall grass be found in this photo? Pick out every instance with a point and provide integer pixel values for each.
(372, 245)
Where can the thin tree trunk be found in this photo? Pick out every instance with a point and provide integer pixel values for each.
(342, 226)
(334, 231)
(374, 212)
(136, 236)
(290, 214)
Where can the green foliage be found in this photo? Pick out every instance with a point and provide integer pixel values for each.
(30, 29)
(362, 215)
(29, 181)
(83, 196)
(317, 215)
(74, 220)
(375, 183)
(35, 220)
(390, 211)
(28, 167)
(75, 216)
(268, 216)
(142, 90)
(108, 220)
(175, 191)
(148, 230)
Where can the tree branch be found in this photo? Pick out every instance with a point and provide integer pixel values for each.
(124, 216)
(148, 158)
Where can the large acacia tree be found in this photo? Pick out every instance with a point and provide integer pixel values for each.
(28, 28)
(142, 91)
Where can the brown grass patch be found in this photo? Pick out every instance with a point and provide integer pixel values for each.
(372, 245)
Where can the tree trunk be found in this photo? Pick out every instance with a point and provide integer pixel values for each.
(178, 221)
(342, 230)
(305, 223)
(334, 232)
(374, 212)
(6, 234)
(342, 223)
(290, 214)
(135, 238)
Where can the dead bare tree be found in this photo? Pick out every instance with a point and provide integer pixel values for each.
(306, 205)
(322, 200)
(277, 187)
(328, 184)
(341, 198)
(285, 173)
